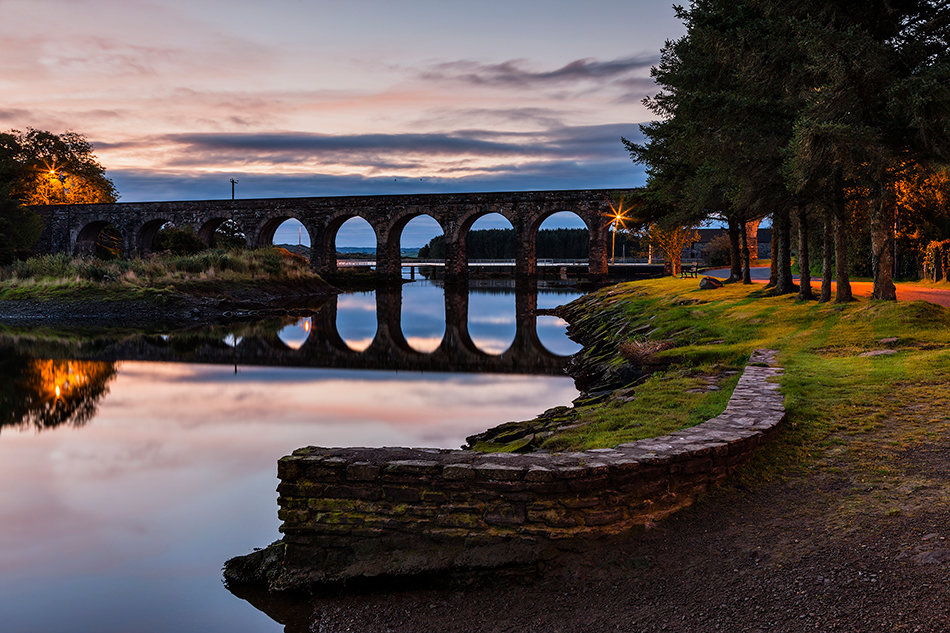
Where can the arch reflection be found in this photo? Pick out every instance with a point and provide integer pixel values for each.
(551, 335)
(355, 319)
(422, 326)
(295, 334)
(492, 325)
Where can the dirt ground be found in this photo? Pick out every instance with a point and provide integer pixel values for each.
(855, 540)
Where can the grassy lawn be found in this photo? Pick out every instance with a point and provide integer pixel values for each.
(700, 339)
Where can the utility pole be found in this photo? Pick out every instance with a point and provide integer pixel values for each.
(233, 182)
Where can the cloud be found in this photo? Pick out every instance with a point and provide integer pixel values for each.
(13, 114)
(513, 73)
(306, 143)
(389, 151)
(287, 164)
(142, 185)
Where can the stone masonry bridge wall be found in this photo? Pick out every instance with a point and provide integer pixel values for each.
(77, 228)
(363, 512)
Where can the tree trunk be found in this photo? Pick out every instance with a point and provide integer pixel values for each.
(827, 257)
(781, 224)
(674, 261)
(774, 257)
(746, 270)
(735, 259)
(882, 254)
(843, 285)
(804, 258)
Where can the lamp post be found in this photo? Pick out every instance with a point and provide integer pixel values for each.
(233, 182)
(617, 218)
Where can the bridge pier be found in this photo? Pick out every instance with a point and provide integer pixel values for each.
(456, 262)
(598, 253)
(388, 257)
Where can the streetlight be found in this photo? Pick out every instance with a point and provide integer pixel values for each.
(53, 175)
(617, 218)
(233, 182)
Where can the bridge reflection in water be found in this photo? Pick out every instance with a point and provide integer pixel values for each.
(317, 341)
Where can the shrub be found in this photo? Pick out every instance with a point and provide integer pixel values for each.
(179, 241)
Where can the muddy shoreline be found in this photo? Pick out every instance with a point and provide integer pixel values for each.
(167, 310)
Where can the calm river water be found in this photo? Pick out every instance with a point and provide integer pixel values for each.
(130, 476)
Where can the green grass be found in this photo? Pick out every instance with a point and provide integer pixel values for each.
(830, 391)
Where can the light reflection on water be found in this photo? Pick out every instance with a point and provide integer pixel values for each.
(123, 523)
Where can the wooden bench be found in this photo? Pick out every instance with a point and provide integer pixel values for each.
(689, 271)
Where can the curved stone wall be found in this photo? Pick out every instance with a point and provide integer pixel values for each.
(363, 512)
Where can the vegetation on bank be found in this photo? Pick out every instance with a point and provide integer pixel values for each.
(59, 275)
(694, 339)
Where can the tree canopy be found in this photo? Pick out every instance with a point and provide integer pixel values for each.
(769, 107)
(40, 167)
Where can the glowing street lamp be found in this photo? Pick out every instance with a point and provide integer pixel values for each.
(617, 218)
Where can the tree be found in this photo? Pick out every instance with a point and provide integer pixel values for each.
(39, 167)
(768, 107)
(19, 229)
(877, 101)
(671, 240)
(715, 149)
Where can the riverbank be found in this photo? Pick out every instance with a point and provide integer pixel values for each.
(171, 291)
(838, 524)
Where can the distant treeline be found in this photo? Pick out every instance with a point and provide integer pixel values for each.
(500, 244)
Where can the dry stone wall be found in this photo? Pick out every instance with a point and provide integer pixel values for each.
(359, 512)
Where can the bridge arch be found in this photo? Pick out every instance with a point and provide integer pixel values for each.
(100, 238)
(209, 229)
(263, 235)
(391, 257)
(456, 243)
(324, 241)
(145, 237)
(596, 223)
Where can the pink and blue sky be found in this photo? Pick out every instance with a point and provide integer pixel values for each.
(301, 98)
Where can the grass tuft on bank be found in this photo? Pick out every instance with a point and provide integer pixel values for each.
(61, 276)
(702, 339)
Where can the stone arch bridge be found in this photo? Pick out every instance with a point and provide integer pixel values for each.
(76, 228)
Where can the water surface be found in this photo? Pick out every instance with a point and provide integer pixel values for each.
(129, 479)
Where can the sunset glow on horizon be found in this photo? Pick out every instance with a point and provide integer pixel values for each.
(327, 99)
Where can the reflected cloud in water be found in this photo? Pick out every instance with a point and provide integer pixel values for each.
(423, 316)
